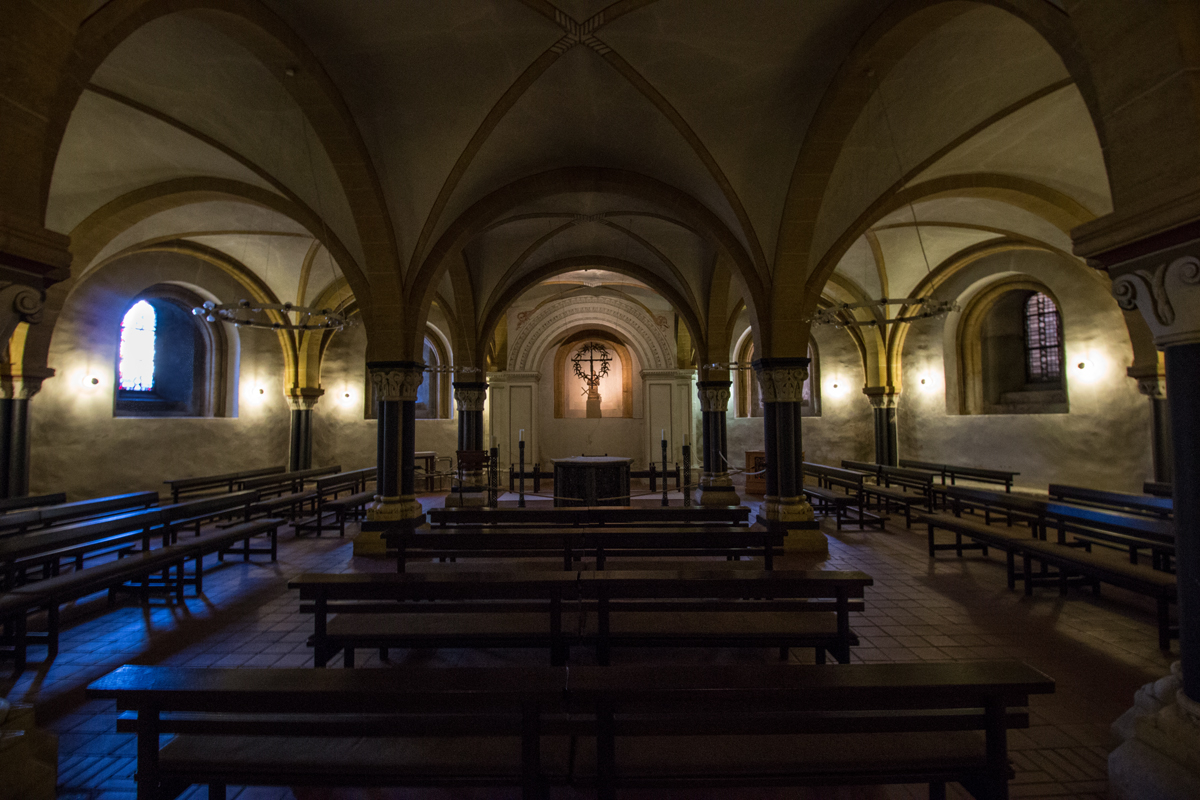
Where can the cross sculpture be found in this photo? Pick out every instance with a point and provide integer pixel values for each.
(596, 358)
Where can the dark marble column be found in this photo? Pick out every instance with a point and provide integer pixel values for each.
(716, 487)
(395, 386)
(16, 393)
(469, 397)
(887, 436)
(300, 441)
(782, 382)
(1155, 388)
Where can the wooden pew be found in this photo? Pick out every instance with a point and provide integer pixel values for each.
(867, 468)
(37, 518)
(227, 482)
(142, 572)
(20, 503)
(608, 727)
(287, 492)
(1158, 489)
(540, 609)
(824, 496)
(568, 546)
(341, 495)
(588, 515)
(451, 727)
(954, 473)
(1149, 505)
(885, 491)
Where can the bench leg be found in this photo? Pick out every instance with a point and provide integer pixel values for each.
(52, 626)
(216, 791)
(1164, 624)
(199, 573)
(383, 654)
(820, 654)
(937, 791)
(348, 659)
(1012, 570)
(20, 643)
(931, 550)
(1028, 571)
(783, 654)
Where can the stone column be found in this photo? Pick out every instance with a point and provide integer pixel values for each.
(716, 487)
(1155, 388)
(1159, 275)
(395, 385)
(301, 402)
(887, 437)
(15, 394)
(470, 396)
(782, 382)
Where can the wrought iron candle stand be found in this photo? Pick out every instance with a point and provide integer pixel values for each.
(687, 475)
(521, 464)
(664, 470)
(494, 478)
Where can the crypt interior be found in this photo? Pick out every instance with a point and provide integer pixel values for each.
(715, 240)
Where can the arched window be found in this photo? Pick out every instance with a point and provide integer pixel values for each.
(749, 394)
(136, 367)
(168, 363)
(1011, 353)
(1043, 340)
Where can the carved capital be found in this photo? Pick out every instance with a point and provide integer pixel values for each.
(882, 396)
(714, 395)
(1154, 387)
(396, 381)
(1166, 290)
(782, 379)
(303, 399)
(470, 396)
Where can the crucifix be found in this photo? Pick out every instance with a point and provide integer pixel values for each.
(596, 358)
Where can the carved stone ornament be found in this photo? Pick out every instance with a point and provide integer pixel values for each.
(470, 399)
(883, 399)
(396, 384)
(1164, 296)
(782, 385)
(713, 398)
(1154, 387)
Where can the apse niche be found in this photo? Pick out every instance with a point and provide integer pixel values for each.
(593, 378)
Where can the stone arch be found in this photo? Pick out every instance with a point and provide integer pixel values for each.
(897, 31)
(422, 282)
(649, 338)
(252, 25)
(665, 289)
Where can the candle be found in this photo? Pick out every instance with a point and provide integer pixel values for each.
(493, 442)
(521, 435)
(686, 442)
(664, 434)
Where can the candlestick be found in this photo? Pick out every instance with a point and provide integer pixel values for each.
(521, 435)
(686, 440)
(664, 434)
(493, 442)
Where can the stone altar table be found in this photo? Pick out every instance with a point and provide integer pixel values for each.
(591, 481)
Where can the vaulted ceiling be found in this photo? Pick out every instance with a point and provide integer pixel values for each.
(506, 141)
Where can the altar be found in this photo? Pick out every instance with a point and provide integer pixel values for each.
(591, 481)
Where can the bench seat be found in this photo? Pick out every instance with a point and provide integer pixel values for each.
(889, 495)
(478, 760)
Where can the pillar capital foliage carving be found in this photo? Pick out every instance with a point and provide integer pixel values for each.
(396, 381)
(714, 395)
(1165, 288)
(782, 379)
(882, 396)
(303, 399)
(470, 396)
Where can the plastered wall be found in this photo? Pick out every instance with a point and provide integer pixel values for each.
(79, 447)
(1103, 442)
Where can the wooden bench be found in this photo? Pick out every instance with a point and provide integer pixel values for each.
(341, 495)
(608, 727)
(589, 515)
(214, 483)
(136, 571)
(567, 546)
(32, 519)
(286, 493)
(825, 497)
(20, 503)
(953, 473)
(887, 495)
(1149, 505)
(1158, 489)
(558, 610)
(451, 727)
(1075, 565)
(865, 467)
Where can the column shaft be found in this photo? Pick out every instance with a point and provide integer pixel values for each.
(1183, 395)
(395, 385)
(300, 440)
(1164, 455)
(388, 452)
(14, 447)
(716, 487)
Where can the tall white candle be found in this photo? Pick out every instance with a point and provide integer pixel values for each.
(686, 441)
(521, 435)
(493, 442)
(664, 434)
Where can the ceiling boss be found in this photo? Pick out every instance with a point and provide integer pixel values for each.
(591, 364)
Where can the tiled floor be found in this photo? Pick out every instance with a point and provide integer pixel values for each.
(1099, 649)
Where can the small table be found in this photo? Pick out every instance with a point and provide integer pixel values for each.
(591, 481)
(430, 459)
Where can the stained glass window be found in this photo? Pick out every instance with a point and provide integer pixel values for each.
(1043, 340)
(137, 348)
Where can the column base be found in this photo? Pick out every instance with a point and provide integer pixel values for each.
(466, 499)
(387, 509)
(28, 760)
(1159, 758)
(795, 516)
(718, 493)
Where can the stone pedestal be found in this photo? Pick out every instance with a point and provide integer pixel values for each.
(28, 756)
(1159, 754)
(592, 408)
